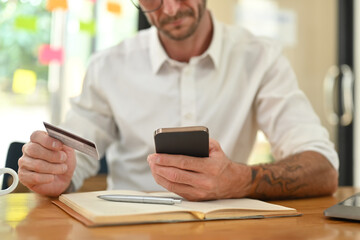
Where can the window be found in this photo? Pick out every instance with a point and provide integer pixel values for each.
(45, 46)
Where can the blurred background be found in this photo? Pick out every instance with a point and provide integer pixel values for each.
(45, 46)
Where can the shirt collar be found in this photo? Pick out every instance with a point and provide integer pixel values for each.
(159, 56)
(214, 50)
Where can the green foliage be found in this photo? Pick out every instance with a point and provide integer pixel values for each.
(18, 47)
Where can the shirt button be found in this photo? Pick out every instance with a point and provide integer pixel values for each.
(187, 71)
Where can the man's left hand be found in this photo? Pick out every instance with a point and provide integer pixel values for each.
(198, 179)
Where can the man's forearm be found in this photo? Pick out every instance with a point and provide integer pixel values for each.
(306, 174)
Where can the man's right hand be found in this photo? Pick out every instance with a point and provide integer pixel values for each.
(47, 165)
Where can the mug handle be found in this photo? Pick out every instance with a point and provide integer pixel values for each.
(14, 183)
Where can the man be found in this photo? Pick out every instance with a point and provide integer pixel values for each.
(188, 70)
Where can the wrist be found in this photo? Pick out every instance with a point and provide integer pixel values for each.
(250, 184)
(70, 188)
(254, 181)
(243, 182)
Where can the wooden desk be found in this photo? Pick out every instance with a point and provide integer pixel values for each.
(30, 216)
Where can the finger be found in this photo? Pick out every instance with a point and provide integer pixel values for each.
(70, 157)
(41, 166)
(190, 178)
(45, 140)
(30, 179)
(176, 175)
(37, 151)
(186, 191)
(178, 161)
(213, 145)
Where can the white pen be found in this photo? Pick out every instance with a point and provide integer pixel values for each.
(140, 199)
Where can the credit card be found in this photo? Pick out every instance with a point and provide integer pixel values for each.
(71, 140)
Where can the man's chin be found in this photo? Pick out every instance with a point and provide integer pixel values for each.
(178, 34)
(177, 37)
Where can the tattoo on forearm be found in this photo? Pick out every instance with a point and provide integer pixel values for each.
(266, 177)
(291, 177)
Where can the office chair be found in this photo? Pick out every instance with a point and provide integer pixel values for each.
(15, 152)
(13, 155)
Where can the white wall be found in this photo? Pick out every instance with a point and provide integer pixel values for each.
(224, 10)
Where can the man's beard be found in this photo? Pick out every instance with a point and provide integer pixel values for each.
(179, 15)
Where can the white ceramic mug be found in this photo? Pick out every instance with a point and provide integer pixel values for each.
(14, 183)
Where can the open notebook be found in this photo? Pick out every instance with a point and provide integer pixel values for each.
(92, 211)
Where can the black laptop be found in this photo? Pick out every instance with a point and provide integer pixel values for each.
(347, 209)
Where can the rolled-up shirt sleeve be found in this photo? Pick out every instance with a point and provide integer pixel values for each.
(286, 116)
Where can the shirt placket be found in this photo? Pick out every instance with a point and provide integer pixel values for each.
(188, 96)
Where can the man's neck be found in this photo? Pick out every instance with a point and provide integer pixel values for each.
(195, 45)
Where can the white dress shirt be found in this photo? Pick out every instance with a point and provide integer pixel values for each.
(241, 84)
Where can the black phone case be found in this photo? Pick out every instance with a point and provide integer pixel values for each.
(191, 143)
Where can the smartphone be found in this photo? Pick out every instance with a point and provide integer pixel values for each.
(190, 141)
